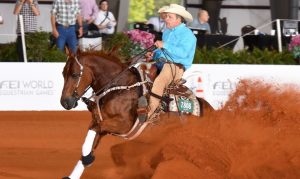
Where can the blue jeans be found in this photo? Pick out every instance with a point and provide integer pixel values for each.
(67, 35)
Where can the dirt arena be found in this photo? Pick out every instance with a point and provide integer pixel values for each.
(255, 135)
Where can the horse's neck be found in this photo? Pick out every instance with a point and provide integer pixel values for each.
(110, 72)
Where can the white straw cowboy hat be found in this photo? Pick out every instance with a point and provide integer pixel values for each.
(180, 10)
(162, 9)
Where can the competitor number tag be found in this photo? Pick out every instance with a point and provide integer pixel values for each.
(185, 105)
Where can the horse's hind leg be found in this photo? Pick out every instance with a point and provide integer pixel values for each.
(87, 158)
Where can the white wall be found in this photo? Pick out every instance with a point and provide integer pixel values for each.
(237, 18)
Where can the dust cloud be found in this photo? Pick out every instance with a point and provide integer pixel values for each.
(255, 135)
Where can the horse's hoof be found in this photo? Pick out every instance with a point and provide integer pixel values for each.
(66, 178)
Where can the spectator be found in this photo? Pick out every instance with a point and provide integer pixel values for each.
(202, 21)
(158, 22)
(89, 12)
(179, 43)
(105, 20)
(29, 10)
(64, 14)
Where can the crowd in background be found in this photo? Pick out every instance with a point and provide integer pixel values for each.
(200, 22)
(70, 20)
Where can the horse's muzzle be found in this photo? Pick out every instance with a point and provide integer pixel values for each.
(69, 103)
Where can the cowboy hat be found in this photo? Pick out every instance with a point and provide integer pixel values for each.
(162, 9)
(180, 10)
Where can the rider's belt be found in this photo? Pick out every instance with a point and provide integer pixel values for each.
(64, 25)
(180, 66)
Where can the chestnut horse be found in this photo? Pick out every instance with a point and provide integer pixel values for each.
(119, 112)
(118, 107)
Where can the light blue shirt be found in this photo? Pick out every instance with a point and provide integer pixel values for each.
(180, 44)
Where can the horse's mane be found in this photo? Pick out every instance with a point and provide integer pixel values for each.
(104, 54)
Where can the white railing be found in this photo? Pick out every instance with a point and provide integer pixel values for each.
(23, 38)
(278, 29)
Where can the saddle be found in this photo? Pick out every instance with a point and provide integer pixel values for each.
(176, 97)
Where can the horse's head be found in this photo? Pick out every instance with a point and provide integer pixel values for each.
(77, 78)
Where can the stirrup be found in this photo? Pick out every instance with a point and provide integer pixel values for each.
(142, 110)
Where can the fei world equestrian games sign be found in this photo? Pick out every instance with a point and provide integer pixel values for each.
(38, 86)
(31, 86)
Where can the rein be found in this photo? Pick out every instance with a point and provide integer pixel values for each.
(167, 54)
(108, 85)
(133, 62)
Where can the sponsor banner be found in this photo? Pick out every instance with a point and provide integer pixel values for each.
(215, 83)
(32, 86)
(38, 86)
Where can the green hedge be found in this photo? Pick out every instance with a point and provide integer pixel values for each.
(38, 50)
(226, 56)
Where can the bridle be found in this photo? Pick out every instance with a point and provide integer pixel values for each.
(78, 76)
(107, 86)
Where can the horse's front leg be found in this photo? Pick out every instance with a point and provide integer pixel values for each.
(90, 143)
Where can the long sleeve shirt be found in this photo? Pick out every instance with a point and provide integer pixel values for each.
(180, 44)
(89, 9)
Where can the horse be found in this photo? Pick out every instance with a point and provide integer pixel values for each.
(114, 112)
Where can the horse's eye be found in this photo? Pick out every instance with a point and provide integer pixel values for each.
(75, 75)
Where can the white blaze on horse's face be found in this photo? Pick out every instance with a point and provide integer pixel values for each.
(73, 72)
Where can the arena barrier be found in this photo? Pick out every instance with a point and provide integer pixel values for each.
(32, 86)
(214, 83)
(38, 86)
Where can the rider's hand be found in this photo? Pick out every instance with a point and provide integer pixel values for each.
(149, 56)
(159, 44)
